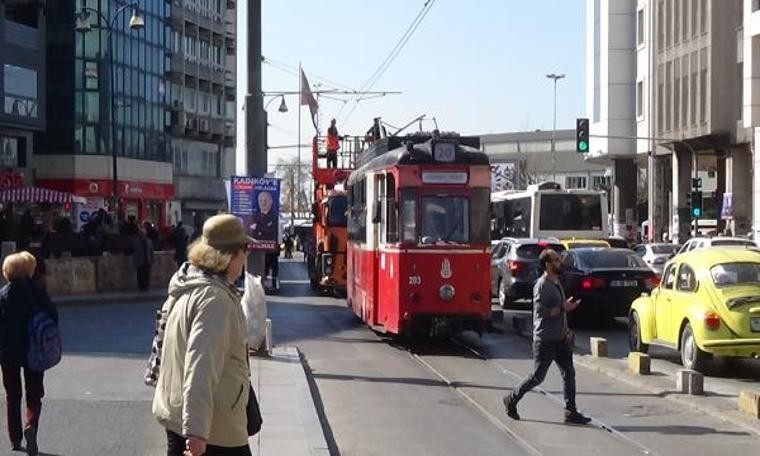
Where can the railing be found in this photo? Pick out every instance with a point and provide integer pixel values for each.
(350, 147)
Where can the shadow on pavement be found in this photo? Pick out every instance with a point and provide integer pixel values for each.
(678, 430)
(407, 381)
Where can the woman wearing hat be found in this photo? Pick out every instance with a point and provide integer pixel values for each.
(203, 385)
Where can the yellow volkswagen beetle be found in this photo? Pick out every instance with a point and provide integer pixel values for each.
(708, 303)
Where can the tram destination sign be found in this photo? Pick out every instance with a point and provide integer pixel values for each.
(439, 177)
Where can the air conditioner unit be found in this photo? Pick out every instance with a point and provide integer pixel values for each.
(190, 123)
(204, 125)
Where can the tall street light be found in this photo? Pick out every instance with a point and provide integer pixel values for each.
(554, 77)
(83, 25)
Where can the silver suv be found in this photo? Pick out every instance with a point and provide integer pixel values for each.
(515, 268)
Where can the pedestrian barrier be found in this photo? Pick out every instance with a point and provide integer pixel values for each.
(598, 347)
(690, 382)
(749, 403)
(639, 363)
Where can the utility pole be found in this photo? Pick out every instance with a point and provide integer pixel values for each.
(554, 77)
(255, 115)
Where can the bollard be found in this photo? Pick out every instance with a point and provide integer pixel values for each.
(690, 382)
(749, 403)
(598, 347)
(639, 363)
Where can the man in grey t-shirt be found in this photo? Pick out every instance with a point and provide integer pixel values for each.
(552, 339)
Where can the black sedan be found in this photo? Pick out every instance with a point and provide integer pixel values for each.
(606, 280)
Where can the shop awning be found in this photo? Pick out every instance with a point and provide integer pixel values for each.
(38, 195)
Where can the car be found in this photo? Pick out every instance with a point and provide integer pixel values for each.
(703, 242)
(656, 255)
(515, 268)
(606, 280)
(708, 304)
(581, 243)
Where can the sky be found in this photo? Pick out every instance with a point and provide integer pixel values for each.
(477, 66)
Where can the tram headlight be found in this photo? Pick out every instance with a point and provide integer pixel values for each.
(446, 292)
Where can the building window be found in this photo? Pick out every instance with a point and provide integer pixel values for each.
(668, 93)
(677, 94)
(685, 19)
(639, 98)
(684, 90)
(600, 182)
(9, 151)
(694, 17)
(694, 89)
(660, 26)
(660, 100)
(640, 27)
(575, 182)
(704, 92)
(669, 25)
(755, 5)
(20, 91)
(676, 21)
(703, 15)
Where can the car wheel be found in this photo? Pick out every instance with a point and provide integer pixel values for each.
(692, 357)
(634, 335)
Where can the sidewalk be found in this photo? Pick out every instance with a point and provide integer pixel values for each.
(113, 297)
(291, 424)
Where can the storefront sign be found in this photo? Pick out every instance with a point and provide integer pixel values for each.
(102, 188)
(256, 200)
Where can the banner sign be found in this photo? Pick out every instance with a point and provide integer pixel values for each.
(727, 210)
(256, 201)
(503, 176)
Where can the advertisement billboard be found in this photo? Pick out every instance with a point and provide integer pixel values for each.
(256, 200)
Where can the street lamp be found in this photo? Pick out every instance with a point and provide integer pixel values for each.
(283, 107)
(83, 25)
(554, 77)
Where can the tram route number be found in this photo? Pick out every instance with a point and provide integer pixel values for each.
(415, 280)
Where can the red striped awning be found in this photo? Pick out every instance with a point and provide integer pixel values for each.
(38, 195)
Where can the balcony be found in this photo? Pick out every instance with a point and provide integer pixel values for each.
(22, 36)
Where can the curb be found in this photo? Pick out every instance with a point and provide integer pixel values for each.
(695, 402)
(89, 300)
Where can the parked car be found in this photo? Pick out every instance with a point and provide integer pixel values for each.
(703, 242)
(618, 242)
(707, 304)
(515, 268)
(656, 255)
(606, 280)
(583, 243)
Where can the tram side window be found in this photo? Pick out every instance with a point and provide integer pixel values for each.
(357, 222)
(479, 217)
(408, 216)
(391, 210)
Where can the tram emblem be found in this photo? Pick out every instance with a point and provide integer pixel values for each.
(446, 269)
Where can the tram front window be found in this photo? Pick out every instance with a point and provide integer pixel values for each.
(445, 220)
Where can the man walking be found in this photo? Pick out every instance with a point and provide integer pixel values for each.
(552, 339)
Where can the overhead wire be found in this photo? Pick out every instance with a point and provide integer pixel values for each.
(392, 55)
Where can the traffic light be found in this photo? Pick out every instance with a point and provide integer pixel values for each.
(696, 204)
(581, 135)
(696, 183)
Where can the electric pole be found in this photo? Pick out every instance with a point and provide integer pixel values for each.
(255, 115)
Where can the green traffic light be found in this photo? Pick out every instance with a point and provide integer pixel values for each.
(583, 146)
(697, 212)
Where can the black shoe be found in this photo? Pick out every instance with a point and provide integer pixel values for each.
(576, 417)
(30, 435)
(510, 407)
(16, 445)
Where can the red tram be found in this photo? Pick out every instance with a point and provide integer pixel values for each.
(418, 236)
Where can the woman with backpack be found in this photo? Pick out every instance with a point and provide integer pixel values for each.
(203, 386)
(19, 300)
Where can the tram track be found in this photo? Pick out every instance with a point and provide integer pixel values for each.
(498, 423)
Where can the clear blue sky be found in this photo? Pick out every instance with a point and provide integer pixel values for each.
(478, 66)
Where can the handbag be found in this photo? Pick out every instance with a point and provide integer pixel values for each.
(253, 413)
(154, 360)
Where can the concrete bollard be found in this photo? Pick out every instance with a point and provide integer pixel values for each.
(268, 337)
(690, 382)
(598, 347)
(639, 363)
(749, 403)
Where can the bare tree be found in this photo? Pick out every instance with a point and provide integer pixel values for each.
(295, 194)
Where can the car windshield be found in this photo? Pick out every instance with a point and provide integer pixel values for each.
(532, 251)
(608, 258)
(445, 219)
(336, 212)
(664, 249)
(728, 274)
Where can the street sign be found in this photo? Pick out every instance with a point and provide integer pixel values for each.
(696, 182)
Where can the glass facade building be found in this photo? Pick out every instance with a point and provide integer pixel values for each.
(81, 64)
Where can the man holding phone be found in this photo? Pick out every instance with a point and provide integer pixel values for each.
(552, 339)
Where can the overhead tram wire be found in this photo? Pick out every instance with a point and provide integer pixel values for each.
(380, 71)
(316, 77)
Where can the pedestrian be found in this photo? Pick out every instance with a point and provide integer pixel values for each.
(333, 144)
(288, 246)
(203, 384)
(552, 339)
(17, 300)
(142, 257)
(152, 233)
(272, 263)
(179, 242)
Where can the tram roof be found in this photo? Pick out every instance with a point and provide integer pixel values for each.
(417, 150)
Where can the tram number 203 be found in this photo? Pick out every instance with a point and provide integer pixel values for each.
(415, 280)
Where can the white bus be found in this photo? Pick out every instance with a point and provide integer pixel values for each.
(546, 210)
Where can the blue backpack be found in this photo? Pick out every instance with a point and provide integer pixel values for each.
(44, 342)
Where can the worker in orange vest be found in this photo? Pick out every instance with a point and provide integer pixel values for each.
(333, 144)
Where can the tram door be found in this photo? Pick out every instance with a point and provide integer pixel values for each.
(388, 265)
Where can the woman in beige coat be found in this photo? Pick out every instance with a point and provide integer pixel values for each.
(203, 384)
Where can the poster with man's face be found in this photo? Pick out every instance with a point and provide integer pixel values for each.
(256, 200)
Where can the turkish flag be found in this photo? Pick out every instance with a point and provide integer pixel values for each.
(307, 98)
